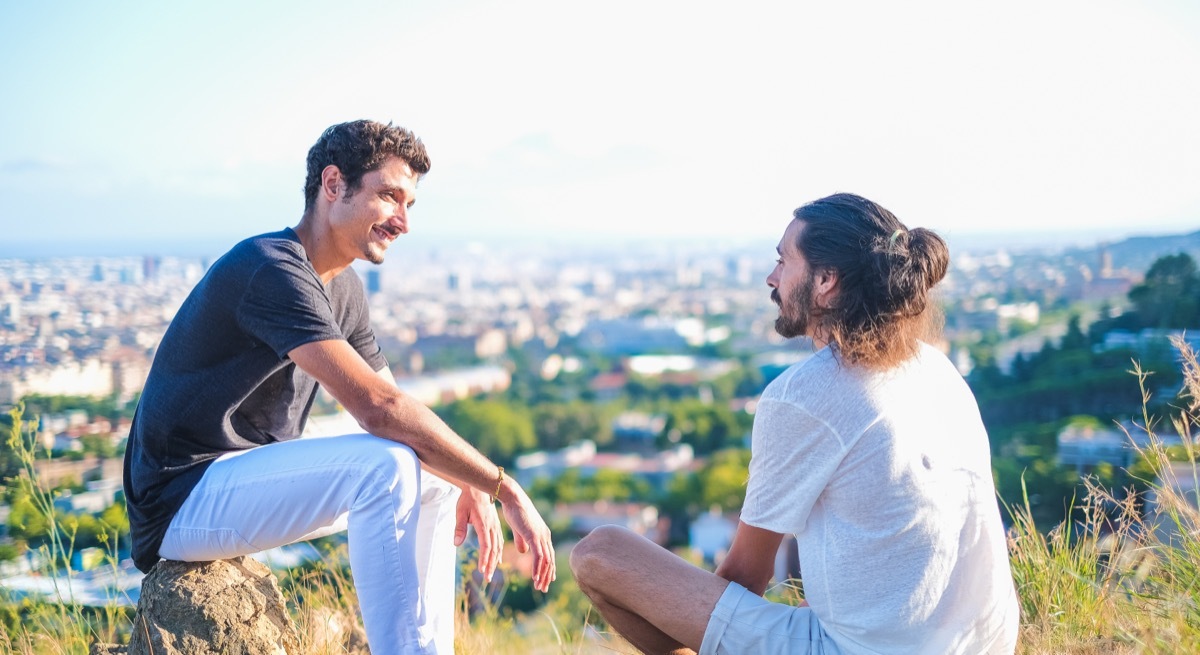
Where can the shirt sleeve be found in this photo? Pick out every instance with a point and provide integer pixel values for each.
(793, 457)
(286, 307)
(362, 337)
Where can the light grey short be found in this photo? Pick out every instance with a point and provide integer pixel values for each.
(744, 622)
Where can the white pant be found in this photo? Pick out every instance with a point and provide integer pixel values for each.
(400, 521)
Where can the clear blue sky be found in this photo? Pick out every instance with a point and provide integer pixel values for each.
(189, 121)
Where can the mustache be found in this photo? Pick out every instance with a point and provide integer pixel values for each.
(775, 298)
(390, 229)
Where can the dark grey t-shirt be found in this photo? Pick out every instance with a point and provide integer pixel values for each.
(221, 379)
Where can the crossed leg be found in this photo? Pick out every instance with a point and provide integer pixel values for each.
(400, 525)
(653, 598)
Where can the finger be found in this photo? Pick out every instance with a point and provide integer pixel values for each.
(461, 519)
(540, 579)
(551, 568)
(487, 552)
(498, 546)
(482, 552)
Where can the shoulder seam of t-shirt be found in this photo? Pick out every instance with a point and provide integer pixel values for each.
(825, 424)
(330, 335)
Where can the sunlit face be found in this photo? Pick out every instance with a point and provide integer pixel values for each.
(792, 284)
(366, 222)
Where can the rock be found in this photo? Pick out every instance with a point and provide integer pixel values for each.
(226, 607)
(108, 649)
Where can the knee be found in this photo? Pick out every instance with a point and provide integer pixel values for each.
(593, 557)
(437, 492)
(392, 465)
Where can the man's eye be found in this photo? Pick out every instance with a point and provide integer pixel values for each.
(779, 261)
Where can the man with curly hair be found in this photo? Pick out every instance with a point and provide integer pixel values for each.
(871, 452)
(215, 469)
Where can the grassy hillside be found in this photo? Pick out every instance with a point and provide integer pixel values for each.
(1125, 579)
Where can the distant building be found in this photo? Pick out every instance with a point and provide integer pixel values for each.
(88, 377)
(1148, 340)
(459, 280)
(1172, 502)
(656, 469)
(630, 336)
(373, 283)
(56, 472)
(637, 431)
(711, 533)
(1086, 446)
(990, 315)
(487, 343)
(99, 496)
(608, 386)
(448, 386)
(1108, 282)
(150, 266)
(640, 518)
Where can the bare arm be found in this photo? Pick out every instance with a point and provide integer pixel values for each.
(751, 558)
(385, 411)
(474, 508)
(386, 375)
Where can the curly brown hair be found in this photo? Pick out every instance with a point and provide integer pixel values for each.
(884, 270)
(357, 148)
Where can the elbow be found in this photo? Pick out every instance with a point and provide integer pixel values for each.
(381, 416)
(755, 580)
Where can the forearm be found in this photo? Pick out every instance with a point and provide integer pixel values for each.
(751, 580)
(386, 375)
(380, 408)
(402, 419)
(751, 558)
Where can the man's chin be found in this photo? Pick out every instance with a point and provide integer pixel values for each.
(374, 255)
(787, 329)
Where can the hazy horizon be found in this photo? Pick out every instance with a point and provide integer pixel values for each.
(175, 125)
(212, 247)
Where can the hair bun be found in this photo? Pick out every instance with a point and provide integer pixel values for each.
(929, 253)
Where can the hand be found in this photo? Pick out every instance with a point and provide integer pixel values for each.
(475, 508)
(530, 533)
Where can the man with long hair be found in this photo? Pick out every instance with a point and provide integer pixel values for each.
(871, 452)
(214, 468)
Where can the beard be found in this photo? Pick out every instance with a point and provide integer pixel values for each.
(373, 256)
(796, 313)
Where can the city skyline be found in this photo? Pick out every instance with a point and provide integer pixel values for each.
(181, 126)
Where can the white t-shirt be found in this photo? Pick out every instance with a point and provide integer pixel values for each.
(885, 479)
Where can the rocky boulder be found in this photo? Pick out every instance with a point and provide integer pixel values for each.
(226, 607)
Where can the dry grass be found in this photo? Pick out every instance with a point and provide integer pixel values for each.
(1125, 579)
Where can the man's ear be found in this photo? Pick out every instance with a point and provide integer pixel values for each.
(332, 182)
(825, 284)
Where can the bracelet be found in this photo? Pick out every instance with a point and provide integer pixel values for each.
(499, 482)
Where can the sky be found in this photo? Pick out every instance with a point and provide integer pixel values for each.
(166, 125)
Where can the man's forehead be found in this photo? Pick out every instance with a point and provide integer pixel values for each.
(787, 243)
(396, 172)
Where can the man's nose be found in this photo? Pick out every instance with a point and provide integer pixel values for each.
(400, 219)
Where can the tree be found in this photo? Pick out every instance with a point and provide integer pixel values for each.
(1170, 295)
(1074, 339)
(498, 429)
(707, 427)
(10, 461)
(723, 479)
(558, 425)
